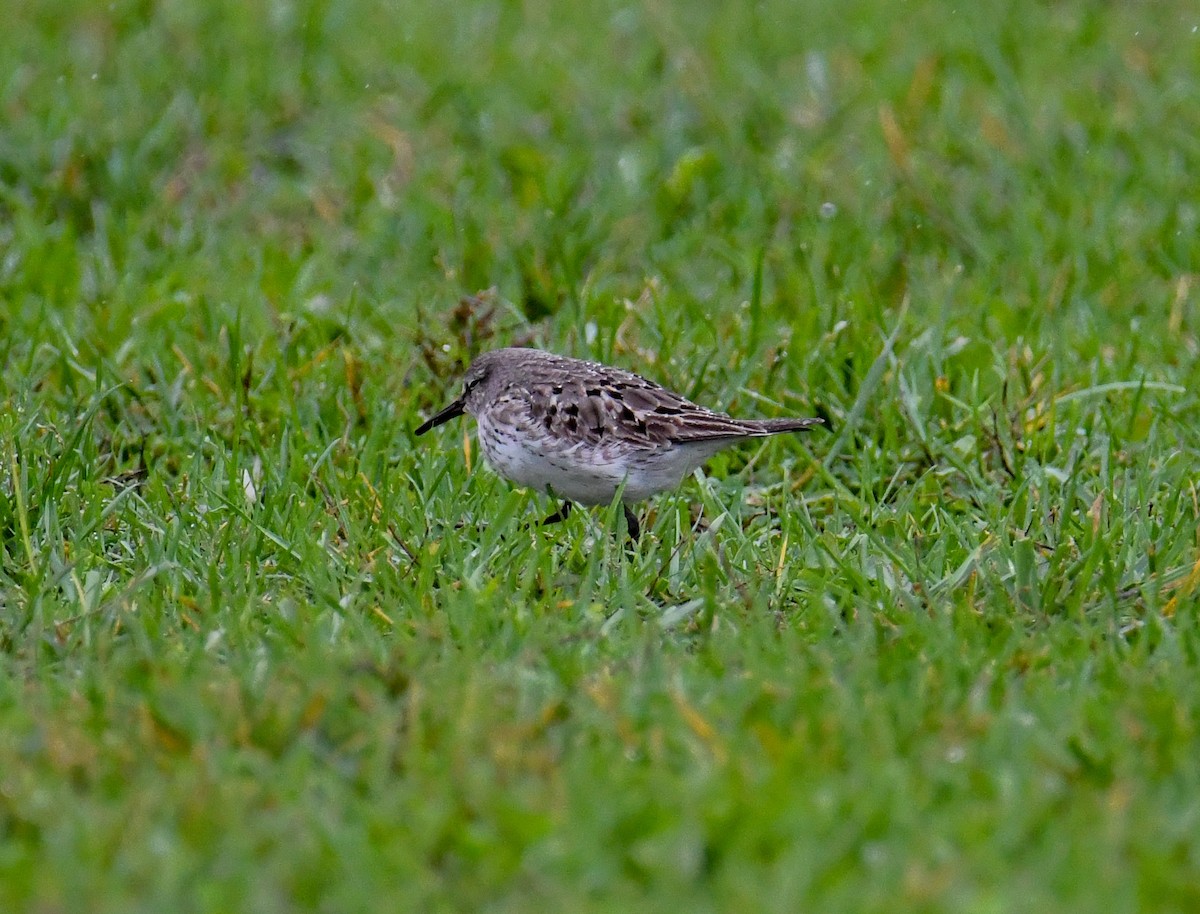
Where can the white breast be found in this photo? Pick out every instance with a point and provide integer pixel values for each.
(586, 474)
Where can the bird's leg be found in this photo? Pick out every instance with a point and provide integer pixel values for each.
(635, 529)
(560, 514)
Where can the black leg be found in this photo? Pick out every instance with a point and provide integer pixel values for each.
(635, 529)
(560, 514)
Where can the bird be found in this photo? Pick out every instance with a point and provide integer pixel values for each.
(582, 431)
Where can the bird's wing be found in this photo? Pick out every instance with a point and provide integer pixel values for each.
(629, 409)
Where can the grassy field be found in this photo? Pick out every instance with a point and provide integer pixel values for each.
(261, 649)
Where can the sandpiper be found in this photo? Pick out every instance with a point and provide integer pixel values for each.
(580, 430)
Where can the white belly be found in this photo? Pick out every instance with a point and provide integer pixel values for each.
(585, 474)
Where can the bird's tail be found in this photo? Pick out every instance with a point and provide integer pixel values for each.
(776, 426)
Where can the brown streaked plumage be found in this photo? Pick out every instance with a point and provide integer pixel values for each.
(580, 430)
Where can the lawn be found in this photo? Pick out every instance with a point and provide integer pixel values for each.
(262, 649)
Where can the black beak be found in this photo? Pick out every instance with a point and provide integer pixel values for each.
(453, 411)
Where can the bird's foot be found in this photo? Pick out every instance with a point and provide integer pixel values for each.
(559, 515)
(635, 529)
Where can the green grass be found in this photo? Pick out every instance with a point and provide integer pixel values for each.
(261, 649)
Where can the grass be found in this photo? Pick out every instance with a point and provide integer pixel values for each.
(261, 649)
